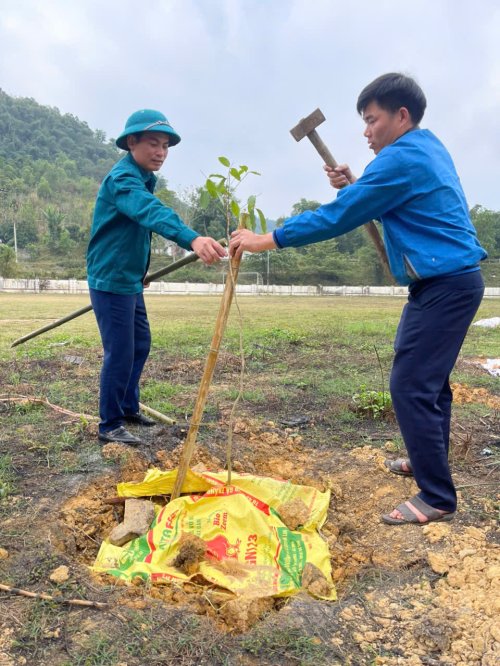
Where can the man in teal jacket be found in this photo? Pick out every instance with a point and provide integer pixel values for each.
(126, 213)
(413, 189)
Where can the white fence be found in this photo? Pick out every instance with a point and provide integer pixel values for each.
(210, 289)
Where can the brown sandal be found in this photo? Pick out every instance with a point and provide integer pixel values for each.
(410, 518)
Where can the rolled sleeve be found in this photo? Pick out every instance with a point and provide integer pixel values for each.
(277, 237)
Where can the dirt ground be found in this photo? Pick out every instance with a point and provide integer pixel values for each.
(407, 595)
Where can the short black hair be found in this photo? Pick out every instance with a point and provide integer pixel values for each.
(391, 92)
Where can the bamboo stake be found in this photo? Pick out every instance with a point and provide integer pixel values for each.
(48, 597)
(188, 259)
(220, 325)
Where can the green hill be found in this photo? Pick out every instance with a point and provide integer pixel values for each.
(30, 130)
(51, 165)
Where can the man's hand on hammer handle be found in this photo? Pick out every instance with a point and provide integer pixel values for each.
(339, 176)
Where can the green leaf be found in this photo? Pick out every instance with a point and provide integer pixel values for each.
(255, 172)
(224, 161)
(204, 199)
(263, 221)
(252, 218)
(217, 175)
(235, 173)
(235, 209)
(211, 188)
(243, 168)
(221, 187)
(251, 203)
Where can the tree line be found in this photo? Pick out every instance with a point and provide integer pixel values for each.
(51, 165)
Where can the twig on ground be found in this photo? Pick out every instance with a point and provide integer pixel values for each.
(473, 485)
(85, 533)
(10, 615)
(48, 597)
(23, 399)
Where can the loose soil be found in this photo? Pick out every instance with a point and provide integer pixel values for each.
(407, 595)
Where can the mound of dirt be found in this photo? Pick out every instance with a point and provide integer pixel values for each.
(294, 513)
(442, 590)
(131, 461)
(241, 614)
(463, 394)
(191, 553)
(314, 581)
(85, 520)
(453, 621)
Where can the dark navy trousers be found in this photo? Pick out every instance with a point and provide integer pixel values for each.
(432, 329)
(126, 340)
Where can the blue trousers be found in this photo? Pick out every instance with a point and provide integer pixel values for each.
(126, 340)
(432, 329)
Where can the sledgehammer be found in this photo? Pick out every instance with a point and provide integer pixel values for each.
(307, 127)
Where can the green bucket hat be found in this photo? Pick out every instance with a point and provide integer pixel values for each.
(147, 120)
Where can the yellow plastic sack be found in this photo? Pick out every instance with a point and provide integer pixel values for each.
(249, 549)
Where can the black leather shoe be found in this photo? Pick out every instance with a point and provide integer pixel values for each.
(139, 419)
(121, 435)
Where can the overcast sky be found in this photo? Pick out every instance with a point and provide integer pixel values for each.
(234, 76)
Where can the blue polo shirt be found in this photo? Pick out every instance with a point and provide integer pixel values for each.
(412, 187)
(126, 213)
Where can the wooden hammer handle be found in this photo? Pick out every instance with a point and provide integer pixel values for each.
(320, 146)
(371, 227)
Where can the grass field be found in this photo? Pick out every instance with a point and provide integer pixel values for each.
(190, 320)
(305, 358)
(331, 344)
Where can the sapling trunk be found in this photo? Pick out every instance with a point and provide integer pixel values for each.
(220, 326)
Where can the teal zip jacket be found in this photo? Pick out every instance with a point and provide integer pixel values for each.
(412, 187)
(125, 215)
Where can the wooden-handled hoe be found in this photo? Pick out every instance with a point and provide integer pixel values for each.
(180, 263)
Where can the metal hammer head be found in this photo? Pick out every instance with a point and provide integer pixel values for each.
(307, 125)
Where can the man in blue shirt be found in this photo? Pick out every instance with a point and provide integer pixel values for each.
(126, 213)
(413, 189)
